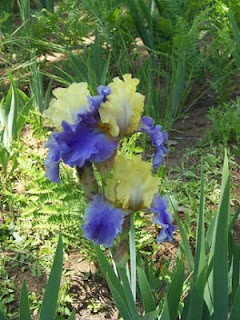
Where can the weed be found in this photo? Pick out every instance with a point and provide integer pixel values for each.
(225, 121)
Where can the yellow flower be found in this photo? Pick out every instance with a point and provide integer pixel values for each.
(123, 108)
(67, 102)
(132, 186)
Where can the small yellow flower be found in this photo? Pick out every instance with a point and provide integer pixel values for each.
(67, 102)
(132, 186)
(124, 106)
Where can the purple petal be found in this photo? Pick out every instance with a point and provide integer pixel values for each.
(104, 91)
(102, 221)
(157, 158)
(52, 160)
(162, 217)
(146, 123)
(158, 137)
(83, 142)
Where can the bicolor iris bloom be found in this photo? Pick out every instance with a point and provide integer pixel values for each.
(159, 139)
(132, 186)
(102, 222)
(162, 217)
(91, 126)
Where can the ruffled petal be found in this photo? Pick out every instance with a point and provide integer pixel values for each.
(83, 142)
(102, 221)
(159, 139)
(123, 108)
(132, 185)
(162, 217)
(52, 160)
(68, 101)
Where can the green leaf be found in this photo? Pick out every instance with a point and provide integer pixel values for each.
(200, 242)
(2, 316)
(4, 157)
(72, 316)
(174, 291)
(196, 303)
(234, 257)
(37, 85)
(220, 256)
(184, 246)
(24, 304)
(236, 32)
(234, 218)
(49, 304)
(151, 315)
(132, 248)
(139, 11)
(128, 293)
(236, 306)
(23, 114)
(12, 115)
(120, 303)
(107, 270)
(146, 294)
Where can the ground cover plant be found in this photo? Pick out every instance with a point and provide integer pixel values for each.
(186, 58)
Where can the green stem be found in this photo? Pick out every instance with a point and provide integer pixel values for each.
(132, 246)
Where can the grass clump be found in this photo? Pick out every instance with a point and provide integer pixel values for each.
(225, 121)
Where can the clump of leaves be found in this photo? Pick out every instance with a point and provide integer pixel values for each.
(225, 120)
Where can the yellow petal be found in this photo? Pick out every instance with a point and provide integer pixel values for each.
(67, 102)
(132, 186)
(124, 106)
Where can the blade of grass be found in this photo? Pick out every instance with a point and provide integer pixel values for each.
(235, 307)
(107, 270)
(128, 293)
(146, 294)
(24, 303)
(49, 304)
(184, 246)
(37, 86)
(174, 291)
(120, 303)
(220, 256)
(195, 311)
(200, 256)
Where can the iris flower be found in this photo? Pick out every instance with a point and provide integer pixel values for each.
(82, 141)
(162, 217)
(131, 188)
(91, 126)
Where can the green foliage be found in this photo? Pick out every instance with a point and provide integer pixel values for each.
(13, 112)
(225, 121)
(6, 13)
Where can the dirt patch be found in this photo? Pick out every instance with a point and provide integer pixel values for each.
(186, 133)
(91, 297)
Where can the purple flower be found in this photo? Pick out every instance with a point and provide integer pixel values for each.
(159, 138)
(82, 141)
(102, 221)
(162, 217)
